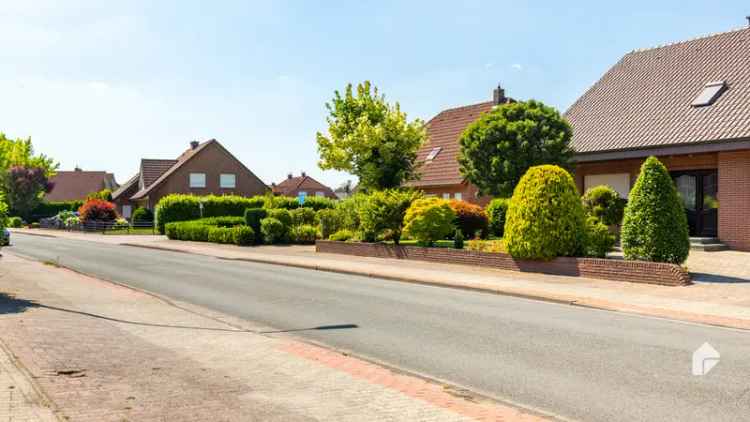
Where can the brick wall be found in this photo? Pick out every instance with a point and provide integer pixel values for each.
(608, 269)
(468, 193)
(734, 199)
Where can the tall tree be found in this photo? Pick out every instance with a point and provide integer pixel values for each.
(370, 138)
(24, 188)
(20, 152)
(497, 149)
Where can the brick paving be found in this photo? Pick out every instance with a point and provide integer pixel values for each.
(19, 401)
(102, 352)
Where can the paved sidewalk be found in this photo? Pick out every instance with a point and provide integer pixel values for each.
(723, 301)
(19, 401)
(103, 352)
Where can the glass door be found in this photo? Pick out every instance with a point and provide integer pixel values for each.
(699, 192)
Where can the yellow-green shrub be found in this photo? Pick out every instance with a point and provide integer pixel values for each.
(428, 220)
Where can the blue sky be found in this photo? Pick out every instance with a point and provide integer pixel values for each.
(101, 84)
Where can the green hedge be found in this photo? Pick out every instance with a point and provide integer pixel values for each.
(142, 215)
(497, 209)
(212, 229)
(180, 207)
(318, 203)
(273, 230)
(51, 209)
(302, 216)
(253, 217)
(303, 234)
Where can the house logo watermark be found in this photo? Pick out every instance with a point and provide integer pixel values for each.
(704, 359)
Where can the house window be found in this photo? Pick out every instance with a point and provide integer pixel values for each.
(711, 91)
(320, 193)
(458, 196)
(620, 182)
(127, 211)
(446, 196)
(228, 181)
(197, 180)
(433, 153)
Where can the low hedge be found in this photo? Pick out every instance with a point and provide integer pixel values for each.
(212, 229)
(181, 207)
(273, 230)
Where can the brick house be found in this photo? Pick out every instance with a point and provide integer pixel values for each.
(77, 184)
(687, 103)
(437, 158)
(294, 186)
(203, 169)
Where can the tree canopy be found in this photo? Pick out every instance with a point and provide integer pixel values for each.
(498, 148)
(370, 138)
(20, 152)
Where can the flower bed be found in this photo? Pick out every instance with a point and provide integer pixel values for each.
(608, 269)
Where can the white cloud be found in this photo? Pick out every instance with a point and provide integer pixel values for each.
(516, 66)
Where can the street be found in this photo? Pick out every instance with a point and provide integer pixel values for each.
(578, 363)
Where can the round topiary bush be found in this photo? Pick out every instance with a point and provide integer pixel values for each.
(302, 216)
(497, 209)
(545, 217)
(470, 219)
(428, 220)
(281, 214)
(599, 240)
(273, 230)
(142, 215)
(655, 226)
(604, 203)
(220, 235)
(253, 217)
(243, 235)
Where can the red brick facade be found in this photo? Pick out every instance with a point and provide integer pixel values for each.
(467, 192)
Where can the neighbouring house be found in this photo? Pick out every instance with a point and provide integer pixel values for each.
(687, 103)
(204, 168)
(437, 159)
(302, 185)
(77, 184)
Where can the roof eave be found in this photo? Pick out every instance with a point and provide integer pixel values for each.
(677, 149)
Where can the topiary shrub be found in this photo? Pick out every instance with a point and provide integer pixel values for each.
(142, 215)
(176, 207)
(234, 205)
(342, 235)
(383, 213)
(545, 217)
(187, 230)
(470, 219)
(220, 235)
(329, 221)
(285, 202)
(283, 215)
(458, 240)
(497, 209)
(599, 240)
(97, 210)
(253, 216)
(304, 234)
(318, 203)
(15, 222)
(243, 235)
(302, 216)
(655, 226)
(273, 230)
(604, 203)
(428, 220)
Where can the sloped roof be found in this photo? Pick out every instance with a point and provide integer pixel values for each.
(444, 131)
(291, 185)
(644, 100)
(129, 187)
(76, 184)
(152, 169)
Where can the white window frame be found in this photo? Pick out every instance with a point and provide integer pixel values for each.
(196, 183)
(458, 196)
(224, 185)
(446, 196)
(320, 193)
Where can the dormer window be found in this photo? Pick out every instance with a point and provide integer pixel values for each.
(711, 92)
(435, 151)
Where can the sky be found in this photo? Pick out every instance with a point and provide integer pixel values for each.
(102, 84)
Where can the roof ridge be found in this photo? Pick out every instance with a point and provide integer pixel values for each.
(696, 38)
(464, 106)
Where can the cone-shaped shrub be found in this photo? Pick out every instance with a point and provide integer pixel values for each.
(655, 226)
(545, 217)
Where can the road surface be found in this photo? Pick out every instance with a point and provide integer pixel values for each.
(577, 363)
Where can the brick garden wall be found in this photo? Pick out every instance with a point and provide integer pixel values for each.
(609, 269)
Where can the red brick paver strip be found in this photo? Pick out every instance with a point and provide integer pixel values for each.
(103, 352)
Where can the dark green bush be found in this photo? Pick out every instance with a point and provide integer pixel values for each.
(220, 235)
(604, 203)
(302, 216)
(545, 217)
(273, 230)
(318, 203)
(142, 215)
(15, 222)
(304, 234)
(253, 216)
(655, 226)
(383, 213)
(330, 222)
(51, 209)
(283, 215)
(458, 240)
(599, 240)
(342, 235)
(243, 235)
(497, 209)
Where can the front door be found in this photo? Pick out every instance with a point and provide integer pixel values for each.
(698, 190)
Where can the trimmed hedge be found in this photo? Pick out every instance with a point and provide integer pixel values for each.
(470, 219)
(176, 207)
(599, 240)
(497, 209)
(141, 215)
(220, 234)
(15, 222)
(342, 235)
(212, 229)
(655, 226)
(283, 215)
(285, 202)
(303, 234)
(273, 230)
(51, 209)
(253, 216)
(318, 203)
(545, 218)
(428, 220)
(303, 216)
(181, 207)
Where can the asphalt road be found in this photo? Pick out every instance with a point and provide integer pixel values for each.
(577, 363)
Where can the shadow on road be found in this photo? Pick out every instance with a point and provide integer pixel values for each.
(716, 278)
(12, 305)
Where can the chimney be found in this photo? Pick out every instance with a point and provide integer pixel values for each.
(194, 144)
(748, 20)
(77, 168)
(289, 176)
(303, 174)
(498, 95)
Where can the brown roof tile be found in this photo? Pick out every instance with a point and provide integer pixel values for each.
(152, 169)
(292, 185)
(76, 184)
(644, 100)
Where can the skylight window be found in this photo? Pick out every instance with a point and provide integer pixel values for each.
(711, 91)
(435, 151)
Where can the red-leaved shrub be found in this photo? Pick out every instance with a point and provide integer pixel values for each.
(470, 219)
(97, 210)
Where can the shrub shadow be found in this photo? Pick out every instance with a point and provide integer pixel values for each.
(12, 305)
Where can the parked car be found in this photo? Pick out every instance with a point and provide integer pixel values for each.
(5, 238)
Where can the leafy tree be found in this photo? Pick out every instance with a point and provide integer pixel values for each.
(104, 194)
(24, 188)
(384, 212)
(497, 149)
(20, 152)
(370, 139)
(655, 226)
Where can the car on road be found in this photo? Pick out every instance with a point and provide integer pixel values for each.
(5, 238)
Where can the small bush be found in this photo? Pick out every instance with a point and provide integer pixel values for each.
(34, 225)
(655, 226)
(545, 218)
(342, 235)
(15, 222)
(493, 246)
(253, 217)
(458, 240)
(274, 231)
(97, 210)
(229, 205)
(599, 240)
(428, 220)
(120, 223)
(283, 215)
(284, 202)
(604, 203)
(350, 209)
(318, 203)
(243, 235)
(470, 219)
(187, 230)
(330, 222)
(304, 234)
(497, 209)
(383, 213)
(142, 215)
(220, 235)
(302, 216)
